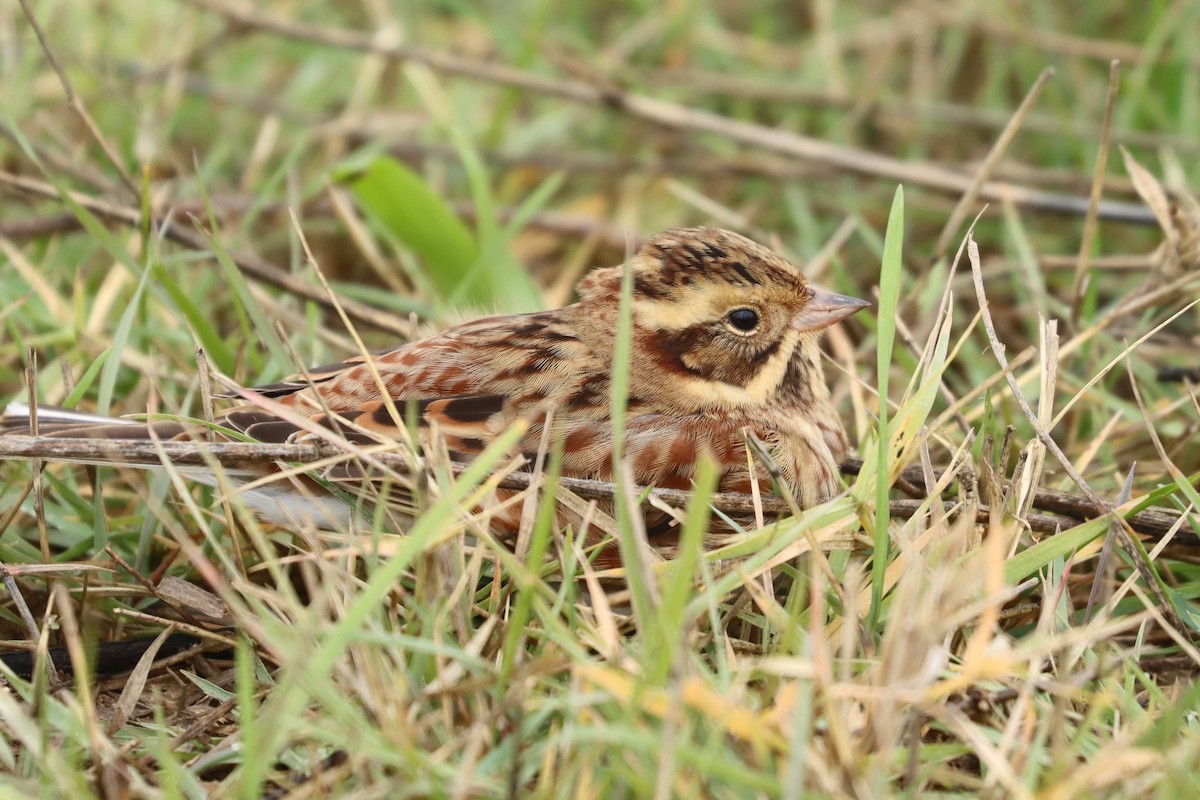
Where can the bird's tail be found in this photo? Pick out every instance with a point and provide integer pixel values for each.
(65, 423)
(112, 441)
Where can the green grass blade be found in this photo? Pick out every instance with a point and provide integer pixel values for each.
(680, 585)
(631, 556)
(889, 300)
(408, 210)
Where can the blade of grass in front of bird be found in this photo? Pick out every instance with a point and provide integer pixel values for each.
(889, 300)
(631, 555)
(539, 545)
(680, 585)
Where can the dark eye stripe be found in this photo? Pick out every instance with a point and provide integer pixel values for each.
(694, 352)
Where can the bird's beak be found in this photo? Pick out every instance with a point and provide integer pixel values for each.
(824, 308)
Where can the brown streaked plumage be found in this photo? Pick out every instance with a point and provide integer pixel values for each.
(725, 341)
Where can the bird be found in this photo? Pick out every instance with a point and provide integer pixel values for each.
(725, 345)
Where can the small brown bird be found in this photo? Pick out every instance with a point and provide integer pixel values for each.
(725, 341)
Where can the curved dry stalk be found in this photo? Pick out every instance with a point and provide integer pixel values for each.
(675, 116)
(1123, 531)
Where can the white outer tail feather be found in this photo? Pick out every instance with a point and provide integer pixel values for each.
(53, 414)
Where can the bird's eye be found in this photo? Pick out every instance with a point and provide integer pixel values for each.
(743, 319)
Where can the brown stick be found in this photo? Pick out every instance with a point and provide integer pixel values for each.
(1065, 510)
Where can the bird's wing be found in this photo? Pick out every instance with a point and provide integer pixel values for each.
(468, 383)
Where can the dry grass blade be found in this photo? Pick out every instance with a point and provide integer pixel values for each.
(132, 691)
(989, 164)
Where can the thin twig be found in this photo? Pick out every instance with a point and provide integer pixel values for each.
(78, 107)
(1063, 509)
